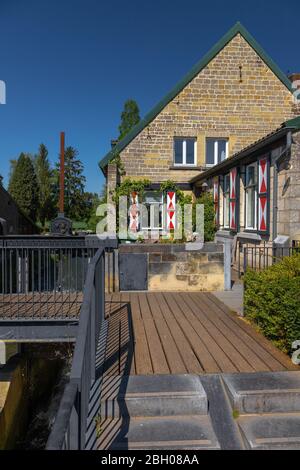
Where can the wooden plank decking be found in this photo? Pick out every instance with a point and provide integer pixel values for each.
(175, 333)
(40, 306)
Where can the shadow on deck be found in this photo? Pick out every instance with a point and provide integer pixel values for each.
(179, 333)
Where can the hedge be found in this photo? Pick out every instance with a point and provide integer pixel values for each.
(272, 301)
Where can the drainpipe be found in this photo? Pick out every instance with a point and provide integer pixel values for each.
(275, 189)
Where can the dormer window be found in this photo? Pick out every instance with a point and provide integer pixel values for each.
(185, 151)
(216, 151)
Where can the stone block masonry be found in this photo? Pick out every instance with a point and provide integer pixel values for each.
(218, 102)
(172, 268)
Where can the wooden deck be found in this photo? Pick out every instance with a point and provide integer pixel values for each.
(40, 306)
(176, 333)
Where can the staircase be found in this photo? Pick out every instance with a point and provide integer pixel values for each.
(158, 412)
(228, 411)
(267, 407)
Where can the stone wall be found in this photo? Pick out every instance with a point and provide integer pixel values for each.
(171, 267)
(16, 222)
(289, 192)
(216, 103)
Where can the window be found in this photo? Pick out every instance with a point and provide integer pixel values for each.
(185, 151)
(226, 201)
(152, 211)
(216, 151)
(251, 196)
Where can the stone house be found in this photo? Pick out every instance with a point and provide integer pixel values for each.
(234, 96)
(257, 190)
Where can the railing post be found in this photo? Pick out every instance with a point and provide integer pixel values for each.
(245, 259)
(93, 319)
(74, 427)
(227, 265)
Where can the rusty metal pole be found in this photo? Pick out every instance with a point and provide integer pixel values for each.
(62, 174)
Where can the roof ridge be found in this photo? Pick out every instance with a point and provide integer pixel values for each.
(237, 28)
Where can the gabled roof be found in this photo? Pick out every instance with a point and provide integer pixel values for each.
(238, 28)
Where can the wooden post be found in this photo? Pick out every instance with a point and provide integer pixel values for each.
(62, 173)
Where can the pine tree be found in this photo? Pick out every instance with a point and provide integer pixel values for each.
(44, 179)
(129, 118)
(75, 206)
(23, 186)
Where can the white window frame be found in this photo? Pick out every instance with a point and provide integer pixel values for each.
(184, 151)
(226, 195)
(247, 226)
(216, 145)
(161, 202)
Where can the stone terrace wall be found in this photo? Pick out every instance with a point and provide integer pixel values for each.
(172, 268)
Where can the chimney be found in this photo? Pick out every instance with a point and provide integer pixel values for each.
(113, 143)
(293, 77)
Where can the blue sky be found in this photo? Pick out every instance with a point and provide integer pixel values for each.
(70, 64)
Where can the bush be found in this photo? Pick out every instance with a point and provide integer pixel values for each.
(272, 301)
(209, 216)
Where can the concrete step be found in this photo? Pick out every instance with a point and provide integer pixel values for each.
(271, 431)
(155, 395)
(264, 392)
(164, 433)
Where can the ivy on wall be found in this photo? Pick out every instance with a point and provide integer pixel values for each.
(140, 185)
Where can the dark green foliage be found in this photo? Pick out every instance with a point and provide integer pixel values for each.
(129, 118)
(272, 301)
(1, 180)
(93, 218)
(46, 210)
(75, 203)
(209, 216)
(128, 186)
(23, 186)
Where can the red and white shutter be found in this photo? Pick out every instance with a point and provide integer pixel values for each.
(134, 212)
(232, 199)
(216, 199)
(171, 207)
(263, 194)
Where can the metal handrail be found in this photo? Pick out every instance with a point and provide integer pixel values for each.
(261, 257)
(69, 428)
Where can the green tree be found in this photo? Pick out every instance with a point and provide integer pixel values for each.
(23, 186)
(1, 180)
(12, 163)
(129, 118)
(96, 201)
(44, 179)
(209, 216)
(75, 203)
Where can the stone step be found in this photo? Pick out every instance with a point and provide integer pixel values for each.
(264, 392)
(164, 433)
(271, 431)
(155, 395)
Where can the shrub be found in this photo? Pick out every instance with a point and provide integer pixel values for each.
(209, 216)
(272, 301)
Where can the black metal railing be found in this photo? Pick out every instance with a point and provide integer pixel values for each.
(260, 257)
(69, 429)
(42, 277)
